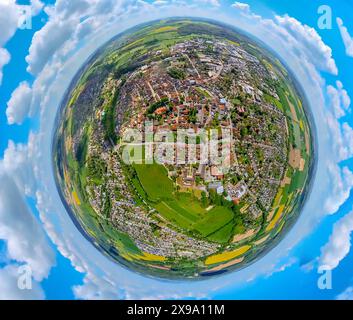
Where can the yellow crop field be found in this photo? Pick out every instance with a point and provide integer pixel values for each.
(76, 198)
(226, 256)
(234, 43)
(227, 264)
(275, 219)
(165, 29)
(151, 257)
(278, 198)
(301, 124)
(126, 256)
(145, 257)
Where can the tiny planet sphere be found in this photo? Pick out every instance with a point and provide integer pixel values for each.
(183, 149)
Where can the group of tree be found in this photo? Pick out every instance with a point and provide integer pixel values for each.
(193, 115)
(176, 73)
(159, 104)
(218, 200)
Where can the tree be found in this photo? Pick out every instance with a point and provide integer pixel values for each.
(204, 200)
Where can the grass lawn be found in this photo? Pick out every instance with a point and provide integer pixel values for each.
(154, 180)
(177, 217)
(298, 180)
(187, 202)
(222, 235)
(187, 213)
(214, 220)
(182, 210)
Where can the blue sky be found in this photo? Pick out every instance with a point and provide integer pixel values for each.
(294, 274)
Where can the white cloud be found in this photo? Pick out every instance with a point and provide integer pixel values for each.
(36, 6)
(342, 184)
(282, 266)
(341, 138)
(9, 16)
(214, 3)
(339, 244)
(17, 162)
(4, 60)
(340, 100)
(24, 236)
(348, 139)
(68, 22)
(346, 294)
(241, 6)
(9, 289)
(311, 43)
(47, 41)
(19, 104)
(347, 39)
(67, 8)
(97, 288)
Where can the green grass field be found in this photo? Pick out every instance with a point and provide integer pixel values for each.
(214, 220)
(222, 235)
(181, 209)
(154, 180)
(176, 217)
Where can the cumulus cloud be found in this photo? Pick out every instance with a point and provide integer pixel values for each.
(282, 266)
(68, 22)
(8, 24)
(18, 163)
(47, 41)
(19, 104)
(300, 45)
(347, 39)
(241, 6)
(348, 139)
(23, 234)
(311, 43)
(341, 138)
(4, 60)
(342, 184)
(339, 244)
(97, 288)
(9, 289)
(340, 100)
(9, 15)
(36, 6)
